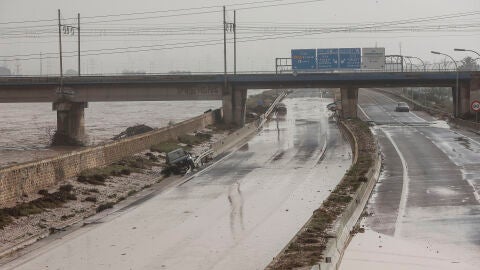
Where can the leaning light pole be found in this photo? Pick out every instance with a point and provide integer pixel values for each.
(457, 91)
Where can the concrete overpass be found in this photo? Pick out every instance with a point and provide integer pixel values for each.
(70, 100)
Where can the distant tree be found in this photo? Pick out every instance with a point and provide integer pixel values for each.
(4, 71)
(132, 72)
(180, 72)
(468, 64)
(71, 72)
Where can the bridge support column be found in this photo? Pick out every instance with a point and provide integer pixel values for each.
(70, 123)
(461, 100)
(349, 96)
(234, 105)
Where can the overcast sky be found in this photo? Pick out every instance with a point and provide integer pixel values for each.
(255, 25)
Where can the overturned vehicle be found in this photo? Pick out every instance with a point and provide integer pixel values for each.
(178, 161)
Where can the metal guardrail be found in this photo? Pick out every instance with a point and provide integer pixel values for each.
(415, 103)
(436, 70)
(264, 116)
(239, 135)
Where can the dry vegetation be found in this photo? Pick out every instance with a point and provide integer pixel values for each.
(92, 191)
(186, 142)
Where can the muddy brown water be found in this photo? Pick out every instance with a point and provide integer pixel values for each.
(25, 128)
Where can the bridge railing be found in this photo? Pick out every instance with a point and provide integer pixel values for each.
(219, 73)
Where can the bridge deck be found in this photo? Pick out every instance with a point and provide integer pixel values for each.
(206, 87)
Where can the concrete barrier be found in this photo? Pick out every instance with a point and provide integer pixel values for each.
(341, 230)
(243, 133)
(233, 139)
(19, 182)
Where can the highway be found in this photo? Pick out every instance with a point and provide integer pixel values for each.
(424, 212)
(238, 214)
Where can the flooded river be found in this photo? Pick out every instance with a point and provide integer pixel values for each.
(25, 128)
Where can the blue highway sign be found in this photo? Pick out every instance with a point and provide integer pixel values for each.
(350, 58)
(304, 59)
(327, 58)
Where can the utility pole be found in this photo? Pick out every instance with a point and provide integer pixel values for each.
(68, 30)
(224, 48)
(229, 27)
(234, 42)
(78, 36)
(60, 48)
(41, 64)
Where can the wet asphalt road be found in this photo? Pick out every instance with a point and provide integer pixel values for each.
(237, 215)
(428, 193)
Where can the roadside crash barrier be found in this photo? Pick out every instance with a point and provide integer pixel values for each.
(239, 135)
(415, 104)
(343, 226)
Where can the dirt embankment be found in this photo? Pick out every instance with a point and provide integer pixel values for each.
(308, 245)
(98, 189)
(94, 190)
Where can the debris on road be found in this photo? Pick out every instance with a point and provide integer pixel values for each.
(132, 131)
(306, 248)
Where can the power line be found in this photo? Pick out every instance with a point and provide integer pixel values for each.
(17, 32)
(290, 32)
(163, 11)
(188, 9)
(391, 26)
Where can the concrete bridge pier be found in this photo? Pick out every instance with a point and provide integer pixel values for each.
(70, 123)
(461, 100)
(349, 99)
(234, 105)
(464, 102)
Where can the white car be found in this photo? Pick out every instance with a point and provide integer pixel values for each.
(402, 107)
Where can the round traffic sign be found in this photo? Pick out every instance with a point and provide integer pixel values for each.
(475, 106)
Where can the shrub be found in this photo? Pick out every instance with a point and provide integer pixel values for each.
(104, 206)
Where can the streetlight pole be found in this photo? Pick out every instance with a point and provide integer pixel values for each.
(465, 50)
(455, 111)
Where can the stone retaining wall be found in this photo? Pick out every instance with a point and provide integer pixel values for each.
(20, 181)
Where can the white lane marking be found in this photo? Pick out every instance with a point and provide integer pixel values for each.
(364, 113)
(406, 181)
(394, 101)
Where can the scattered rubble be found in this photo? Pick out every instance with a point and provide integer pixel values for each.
(92, 191)
(132, 131)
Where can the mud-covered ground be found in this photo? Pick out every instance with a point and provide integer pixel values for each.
(115, 189)
(237, 214)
